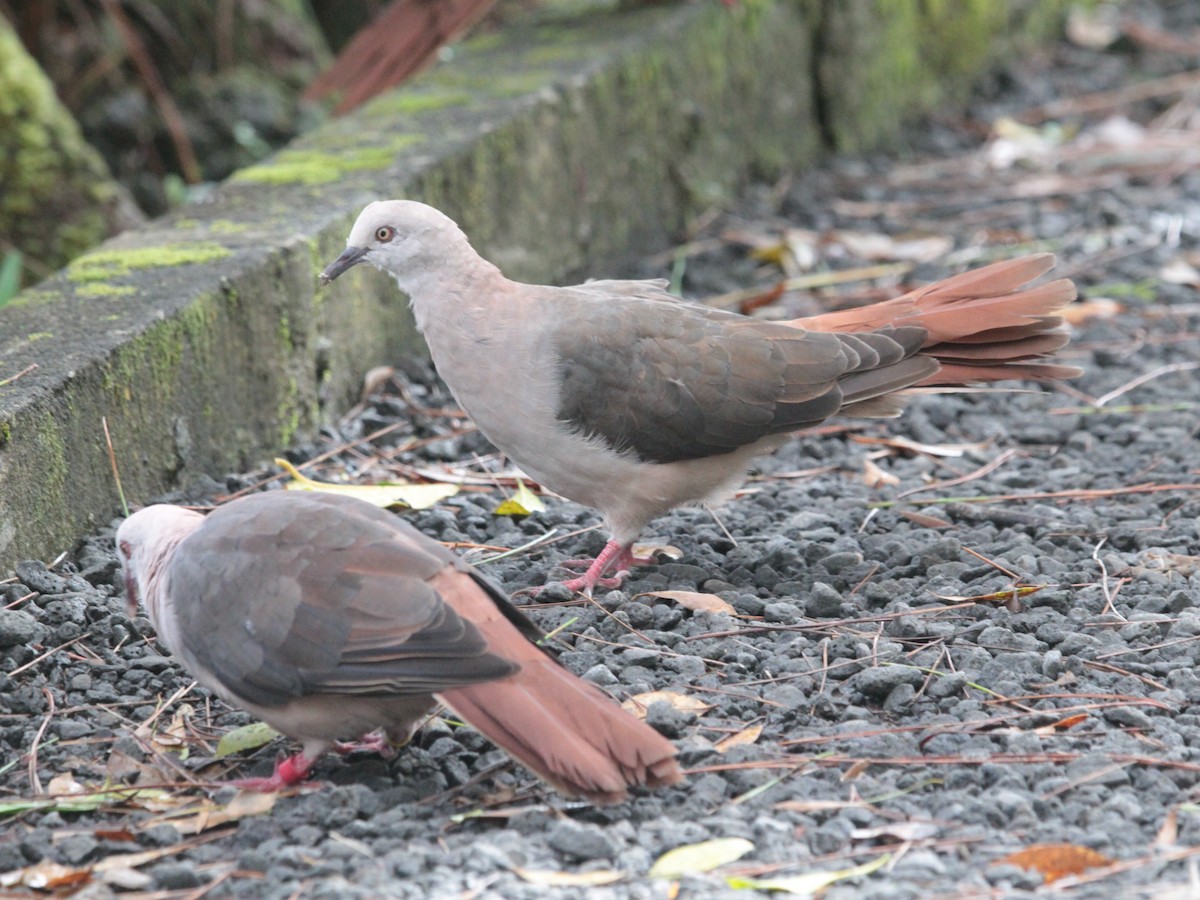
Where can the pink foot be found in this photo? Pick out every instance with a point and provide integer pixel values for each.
(288, 773)
(375, 742)
(615, 557)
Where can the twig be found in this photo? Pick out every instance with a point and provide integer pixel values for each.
(112, 461)
(153, 80)
(34, 781)
(1109, 596)
(1076, 494)
(1142, 379)
(1101, 100)
(25, 371)
(50, 652)
(970, 476)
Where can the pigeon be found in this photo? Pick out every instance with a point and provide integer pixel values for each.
(328, 618)
(620, 396)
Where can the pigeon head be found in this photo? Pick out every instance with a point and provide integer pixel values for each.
(145, 542)
(401, 237)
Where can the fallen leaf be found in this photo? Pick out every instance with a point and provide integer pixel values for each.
(243, 805)
(550, 878)
(1093, 27)
(901, 831)
(1056, 861)
(1061, 724)
(951, 451)
(806, 806)
(639, 703)
(692, 859)
(874, 477)
(374, 380)
(923, 520)
(1168, 834)
(852, 773)
(656, 551)
(64, 784)
(809, 883)
(884, 247)
(692, 600)
(521, 503)
(247, 737)
(1180, 271)
(1086, 310)
(745, 736)
(46, 876)
(413, 496)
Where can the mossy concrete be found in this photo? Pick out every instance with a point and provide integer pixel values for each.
(574, 137)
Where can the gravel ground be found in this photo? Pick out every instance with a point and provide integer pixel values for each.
(1001, 655)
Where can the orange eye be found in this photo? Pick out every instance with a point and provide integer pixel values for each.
(384, 233)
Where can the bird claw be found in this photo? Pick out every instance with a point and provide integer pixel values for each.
(373, 742)
(288, 773)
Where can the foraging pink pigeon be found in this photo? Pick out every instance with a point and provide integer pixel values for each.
(327, 618)
(625, 398)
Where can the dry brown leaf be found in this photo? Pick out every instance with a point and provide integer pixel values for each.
(1086, 310)
(210, 815)
(374, 380)
(745, 736)
(923, 520)
(1061, 724)
(874, 477)
(1168, 834)
(856, 770)
(693, 600)
(639, 703)
(1057, 861)
(46, 876)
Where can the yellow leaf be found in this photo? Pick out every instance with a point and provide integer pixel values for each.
(692, 859)
(413, 496)
(694, 601)
(639, 703)
(521, 503)
(247, 737)
(745, 736)
(550, 878)
(810, 882)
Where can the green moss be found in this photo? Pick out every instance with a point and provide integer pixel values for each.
(227, 226)
(103, 289)
(104, 264)
(413, 103)
(38, 336)
(323, 166)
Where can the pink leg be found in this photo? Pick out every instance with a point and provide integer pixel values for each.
(375, 742)
(614, 557)
(288, 772)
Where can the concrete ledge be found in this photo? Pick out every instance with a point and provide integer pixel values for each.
(574, 137)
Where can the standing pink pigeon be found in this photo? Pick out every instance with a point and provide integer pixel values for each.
(328, 618)
(627, 399)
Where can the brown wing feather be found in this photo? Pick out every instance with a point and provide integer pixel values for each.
(1005, 322)
(670, 382)
(569, 732)
(285, 596)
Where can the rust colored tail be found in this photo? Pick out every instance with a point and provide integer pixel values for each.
(984, 325)
(566, 730)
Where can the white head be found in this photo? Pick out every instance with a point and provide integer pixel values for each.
(405, 238)
(146, 542)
